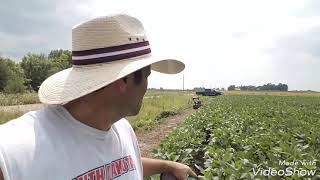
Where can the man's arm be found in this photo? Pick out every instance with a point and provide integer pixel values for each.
(1, 175)
(156, 166)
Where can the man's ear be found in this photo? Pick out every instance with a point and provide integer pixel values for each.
(122, 85)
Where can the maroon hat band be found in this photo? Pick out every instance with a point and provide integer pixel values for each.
(101, 55)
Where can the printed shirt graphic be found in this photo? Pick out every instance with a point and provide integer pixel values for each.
(110, 171)
(52, 145)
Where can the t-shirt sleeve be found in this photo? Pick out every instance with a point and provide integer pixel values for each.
(11, 135)
(132, 134)
(3, 166)
(125, 123)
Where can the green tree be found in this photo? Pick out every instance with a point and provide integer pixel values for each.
(4, 73)
(282, 87)
(15, 85)
(60, 60)
(12, 77)
(231, 88)
(37, 68)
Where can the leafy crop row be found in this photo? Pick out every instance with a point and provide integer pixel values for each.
(233, 137)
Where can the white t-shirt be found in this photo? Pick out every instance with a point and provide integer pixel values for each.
(50, 144)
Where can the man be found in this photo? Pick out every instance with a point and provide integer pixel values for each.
(82, 133)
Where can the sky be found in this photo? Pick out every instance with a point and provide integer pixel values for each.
(222, 43)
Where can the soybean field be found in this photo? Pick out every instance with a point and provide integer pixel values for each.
(250, 137)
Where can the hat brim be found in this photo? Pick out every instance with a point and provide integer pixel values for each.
(77, 81)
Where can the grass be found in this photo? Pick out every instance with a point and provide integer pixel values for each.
(18, 99)
(6, 116)
(155, 109)
(156, 92)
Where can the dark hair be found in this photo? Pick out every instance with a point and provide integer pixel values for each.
(137, 77)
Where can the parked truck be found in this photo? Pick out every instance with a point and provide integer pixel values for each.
(208, 92)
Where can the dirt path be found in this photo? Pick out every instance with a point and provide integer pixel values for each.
(151, 140)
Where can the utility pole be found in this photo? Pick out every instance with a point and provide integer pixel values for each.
(183, 82)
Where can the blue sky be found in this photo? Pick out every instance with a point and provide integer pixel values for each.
(228, 42)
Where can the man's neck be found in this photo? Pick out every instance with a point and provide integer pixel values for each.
(93, 115)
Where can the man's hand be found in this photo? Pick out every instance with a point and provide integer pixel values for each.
(1, 175)
(179, 170)
(157, 166)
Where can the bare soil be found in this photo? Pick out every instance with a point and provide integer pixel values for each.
(149, 141)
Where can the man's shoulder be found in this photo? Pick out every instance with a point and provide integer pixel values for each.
(26, 122)
(25, 119)
(16, 134)
(124, 127)
(123, 123)
(17, 127)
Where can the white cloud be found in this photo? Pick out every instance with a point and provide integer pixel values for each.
(221, 42)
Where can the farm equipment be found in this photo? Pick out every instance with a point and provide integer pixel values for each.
(208, 92)
(197, 102)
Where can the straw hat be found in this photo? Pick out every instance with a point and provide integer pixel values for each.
(104, 50)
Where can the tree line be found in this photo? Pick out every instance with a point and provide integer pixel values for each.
(265, 87)
(27, 75)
